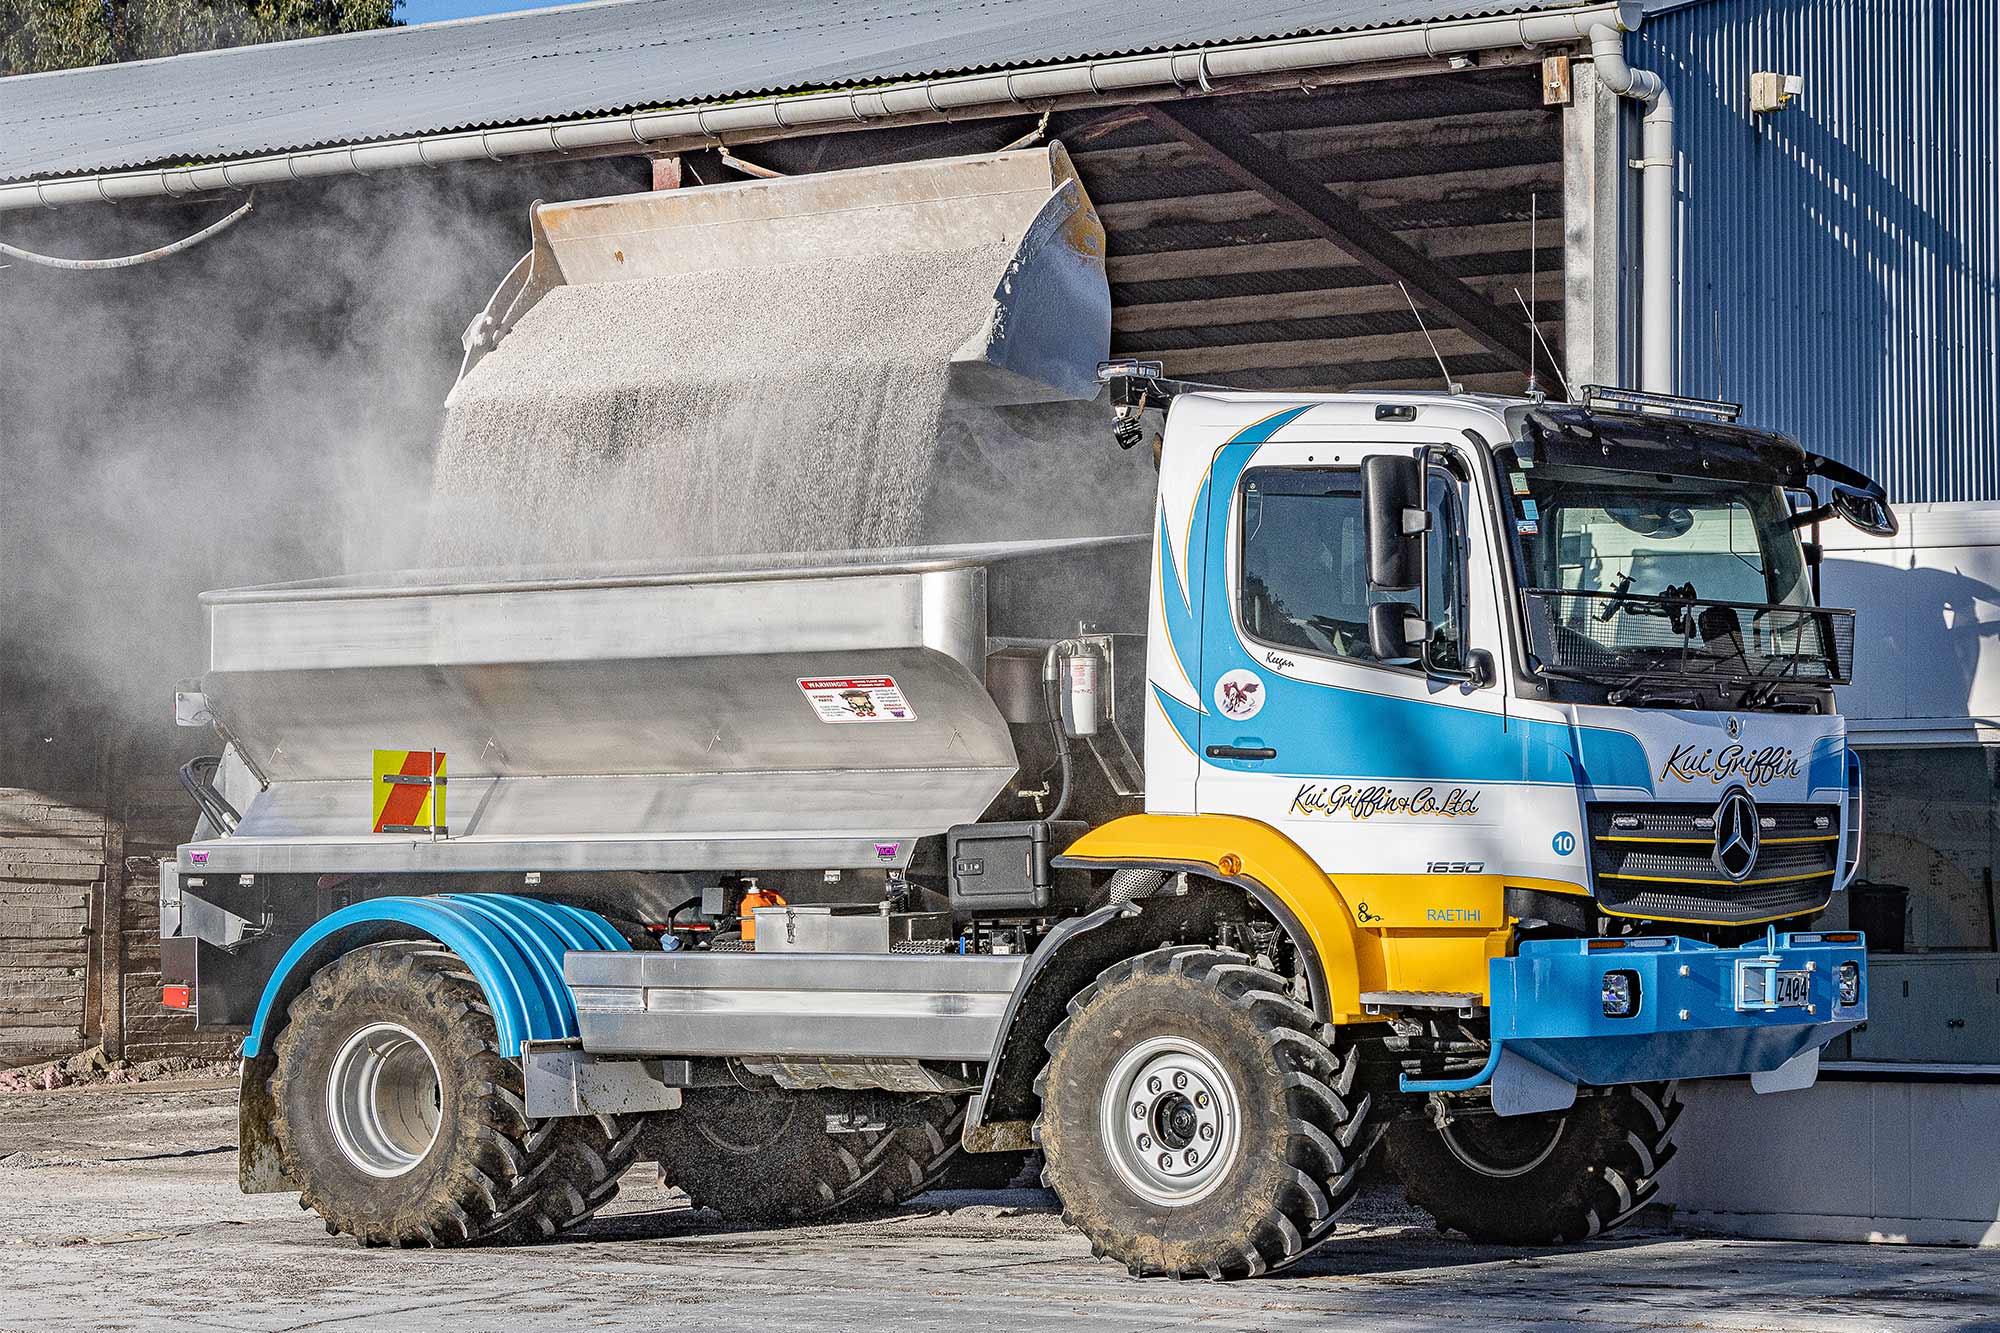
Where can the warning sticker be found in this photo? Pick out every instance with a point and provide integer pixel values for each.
(857, 699)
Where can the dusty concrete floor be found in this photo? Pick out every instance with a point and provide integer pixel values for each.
(118, 1210)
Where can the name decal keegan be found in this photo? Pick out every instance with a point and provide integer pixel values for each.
(1316, 798)
(1754, 768)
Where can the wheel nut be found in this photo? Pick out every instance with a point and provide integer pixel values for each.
(1180, 1080)
(1201, 1099)
(1153, 1084)
(1145, 1142)
(1192, 1157)
(1166, 1161)
(1138, 1110)
(1207, 1132)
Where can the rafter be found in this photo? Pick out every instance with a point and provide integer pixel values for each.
(1230, 148)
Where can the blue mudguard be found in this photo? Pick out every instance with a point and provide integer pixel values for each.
(513, 947)
(1699, 1013)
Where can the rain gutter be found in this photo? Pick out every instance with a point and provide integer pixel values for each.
(1195, 70)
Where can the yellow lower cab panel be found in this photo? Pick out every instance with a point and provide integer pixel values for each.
(1372, 933)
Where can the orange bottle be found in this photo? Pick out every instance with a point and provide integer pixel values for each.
(754, 898)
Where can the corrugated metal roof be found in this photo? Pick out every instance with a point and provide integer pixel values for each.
(1841, 255)
(599, 58)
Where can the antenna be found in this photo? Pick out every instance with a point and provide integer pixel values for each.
(1534, 285)
(1554, 364)
(1715, 343)
(1449, 387)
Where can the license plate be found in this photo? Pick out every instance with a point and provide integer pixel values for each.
(1779, 990)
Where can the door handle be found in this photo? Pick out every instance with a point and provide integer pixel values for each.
(1241, 752)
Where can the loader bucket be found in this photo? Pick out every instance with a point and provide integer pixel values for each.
(1039, 338)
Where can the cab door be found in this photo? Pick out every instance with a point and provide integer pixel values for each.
(1389, 771)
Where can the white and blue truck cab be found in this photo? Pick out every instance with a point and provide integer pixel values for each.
(1482, 780)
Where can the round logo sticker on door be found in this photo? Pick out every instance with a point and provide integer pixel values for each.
(1239, 695)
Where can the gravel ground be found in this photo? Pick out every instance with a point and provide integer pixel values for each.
(119, 1210)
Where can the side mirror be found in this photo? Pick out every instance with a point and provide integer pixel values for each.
(1396, 633)
(1392, 493)
(1870, 513)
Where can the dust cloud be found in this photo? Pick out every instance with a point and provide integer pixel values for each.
(792, 407)
(262, 407)
(270, 406)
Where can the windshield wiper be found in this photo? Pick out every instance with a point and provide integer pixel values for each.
(1763, 689)
(1684, 695)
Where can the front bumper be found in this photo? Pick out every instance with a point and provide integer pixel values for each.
(1689, 1020)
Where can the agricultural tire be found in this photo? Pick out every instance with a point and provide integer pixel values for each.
(767, 1156)
(405, 1125)
(1193, 1121)
(989, 1170)
(1548, 1179)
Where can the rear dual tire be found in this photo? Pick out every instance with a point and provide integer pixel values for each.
(404, 1124)
(768, 1156)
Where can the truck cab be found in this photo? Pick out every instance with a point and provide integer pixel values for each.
(1531, 705)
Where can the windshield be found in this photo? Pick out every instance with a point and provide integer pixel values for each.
(1626, 574)
(1587, 529)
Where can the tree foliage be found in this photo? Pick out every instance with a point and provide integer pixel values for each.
(63, 34)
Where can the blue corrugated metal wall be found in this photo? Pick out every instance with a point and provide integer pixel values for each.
(1839, 257)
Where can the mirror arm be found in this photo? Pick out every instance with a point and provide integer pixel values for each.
(1819, 465)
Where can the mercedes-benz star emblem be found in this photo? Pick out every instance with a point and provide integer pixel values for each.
(1737, 835)
(1735, 728)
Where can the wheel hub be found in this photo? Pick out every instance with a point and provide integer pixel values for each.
(1171, 1120)
(1502, 1148)
(383, 1100)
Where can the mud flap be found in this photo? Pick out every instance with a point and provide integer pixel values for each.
(1522, 1087)
(1801, 1071)
(260, 1163)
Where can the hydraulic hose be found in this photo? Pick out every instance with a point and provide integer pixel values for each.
(1049, 695)
(129, 261)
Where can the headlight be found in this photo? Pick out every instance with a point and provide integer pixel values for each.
(1850, 984)
(1621, 994)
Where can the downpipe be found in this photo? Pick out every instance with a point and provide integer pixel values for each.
(1659, 252)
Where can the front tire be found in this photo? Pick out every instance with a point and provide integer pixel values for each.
(1548, 1179)
(405, 1125)
(1192, 1123)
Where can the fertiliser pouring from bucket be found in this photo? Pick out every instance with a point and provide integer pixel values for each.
(1345, 806)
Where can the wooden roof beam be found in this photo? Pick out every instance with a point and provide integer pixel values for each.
(1234, 151)
(1317, 303)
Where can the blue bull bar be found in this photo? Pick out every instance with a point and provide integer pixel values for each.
(1644, 1009)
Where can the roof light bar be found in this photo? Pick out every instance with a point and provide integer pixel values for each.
(1595, 395)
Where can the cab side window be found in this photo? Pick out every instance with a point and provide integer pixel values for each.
(1304, 564)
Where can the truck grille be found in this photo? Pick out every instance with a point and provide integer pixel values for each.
(1658, 861)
